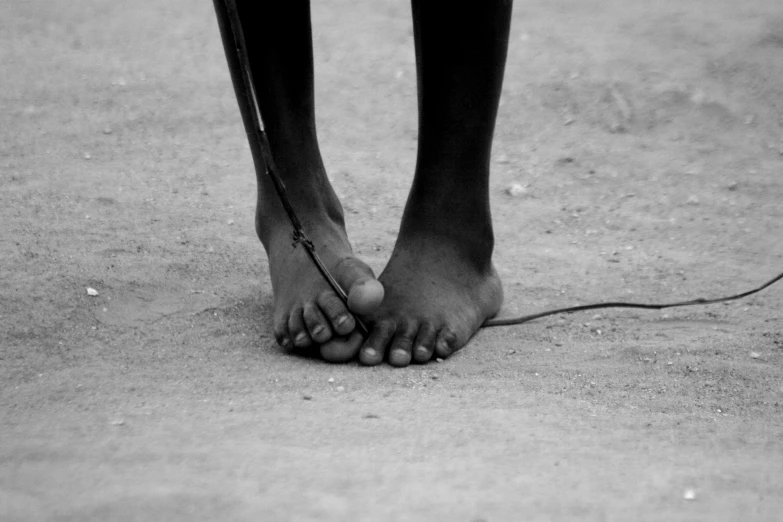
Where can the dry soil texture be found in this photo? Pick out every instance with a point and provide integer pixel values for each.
(648, 137)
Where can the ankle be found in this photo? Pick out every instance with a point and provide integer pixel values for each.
(317, 209)
(472, 244)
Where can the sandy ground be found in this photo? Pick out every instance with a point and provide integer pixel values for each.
(649, 139)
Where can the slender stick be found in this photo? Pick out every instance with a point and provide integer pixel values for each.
(239, 67)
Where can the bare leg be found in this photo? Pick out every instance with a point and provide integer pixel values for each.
(440, 283)
(306, 310)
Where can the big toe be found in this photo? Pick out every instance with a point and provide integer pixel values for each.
(365, 293)
(365, 296)
(342, 349)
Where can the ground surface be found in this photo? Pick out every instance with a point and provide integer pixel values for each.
(649, 139)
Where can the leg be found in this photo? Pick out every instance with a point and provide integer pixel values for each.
(440, 283)
(279, 42)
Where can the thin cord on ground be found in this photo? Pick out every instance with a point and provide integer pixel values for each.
(239, 66)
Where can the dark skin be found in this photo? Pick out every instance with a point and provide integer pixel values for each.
(440, 284)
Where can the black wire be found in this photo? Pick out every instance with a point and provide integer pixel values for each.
(238, 64)
(620, 304)
(239, 67)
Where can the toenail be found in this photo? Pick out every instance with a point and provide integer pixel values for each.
(318, 329)
(341, 320)
(285, 343)
(400, 354)
(301, 337)
(422, 350)
(370, 352)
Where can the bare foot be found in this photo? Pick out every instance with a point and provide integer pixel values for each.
(437, 297)
(306, 309)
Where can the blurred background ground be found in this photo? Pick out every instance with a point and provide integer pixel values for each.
(648, 140)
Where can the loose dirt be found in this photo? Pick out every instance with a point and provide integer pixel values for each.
(647, 139)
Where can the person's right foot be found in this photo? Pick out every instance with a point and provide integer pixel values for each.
(437, 297)
(306, 310)
(440, 282)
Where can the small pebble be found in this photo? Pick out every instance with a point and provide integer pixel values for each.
(438, 360)
(230, 222)
(515, 190)
(91, 291)
(331, 379)
(755, 355)
(340, 388)
(107, 130)
(689, 494)
(87, 155)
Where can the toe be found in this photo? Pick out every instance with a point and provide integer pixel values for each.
(281, 332)
(297, 329)
(342, 349)
(374, 348)
(446, 343)
(365, 296)
(400, 352)
(317, 325)
(365, 293)
(424, 344)
(342, 321)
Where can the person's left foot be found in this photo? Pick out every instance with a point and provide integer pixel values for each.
(436, 299)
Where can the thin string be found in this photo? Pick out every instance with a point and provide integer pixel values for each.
(621, 304)
(259, 146)
(239, 65)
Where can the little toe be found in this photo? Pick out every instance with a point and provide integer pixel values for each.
(342, 349)
(298, 330)
(375, 347)
(317, 325)
(333, 308)
(400, 352)
(446, 343)
(281, 332)
(424, 345)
